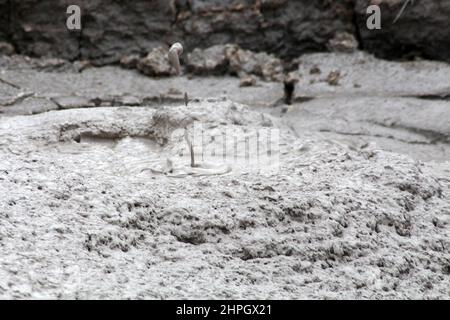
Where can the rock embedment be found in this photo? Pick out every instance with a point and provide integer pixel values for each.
(156, 63)
(231, 59)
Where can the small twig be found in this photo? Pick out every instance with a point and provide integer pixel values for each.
(186, 99)
(403, 9)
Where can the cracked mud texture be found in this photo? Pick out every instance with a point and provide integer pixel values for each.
(359, 208)
(114, 29)
(65, 87)
(418, 128)
(80, 219)
(355, 98)
(360, 74)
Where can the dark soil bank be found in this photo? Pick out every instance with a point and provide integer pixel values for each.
(113, 29)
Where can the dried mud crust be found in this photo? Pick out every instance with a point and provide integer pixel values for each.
(333, 222)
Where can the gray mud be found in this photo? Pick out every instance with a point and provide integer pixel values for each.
(81, 217)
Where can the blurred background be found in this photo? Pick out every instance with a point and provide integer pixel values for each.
(112, 29)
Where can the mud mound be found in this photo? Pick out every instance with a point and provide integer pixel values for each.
(78, 220)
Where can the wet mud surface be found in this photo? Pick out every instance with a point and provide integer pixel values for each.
(357, 206)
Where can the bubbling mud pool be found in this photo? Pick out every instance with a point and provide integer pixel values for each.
(231, 150)
(81, 217)
(129, 156)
